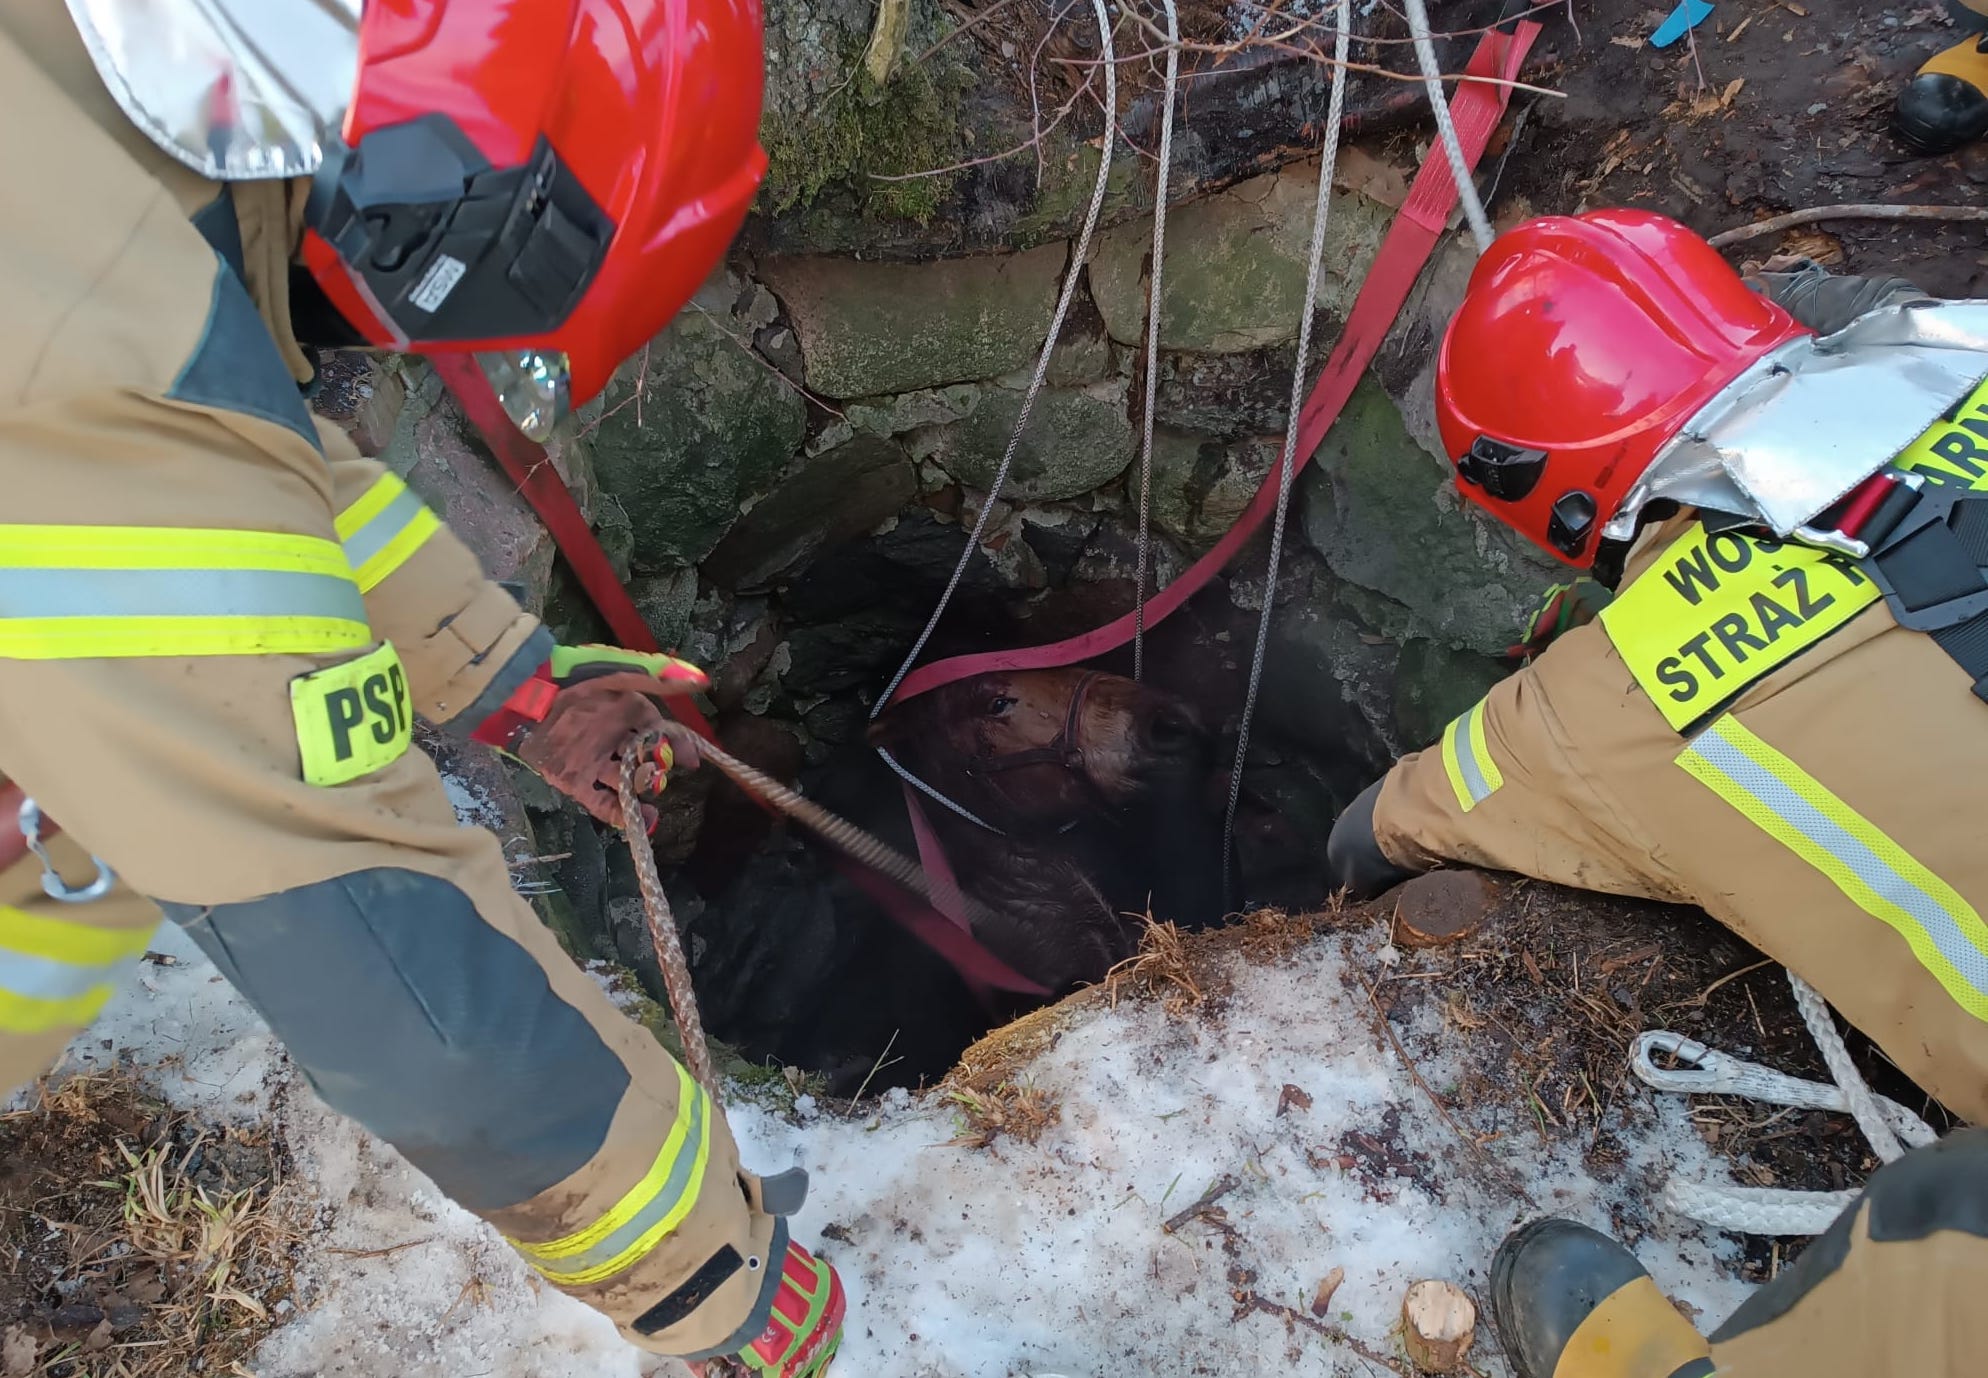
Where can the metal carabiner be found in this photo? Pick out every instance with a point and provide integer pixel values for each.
(1707, 1071)
(52, 884)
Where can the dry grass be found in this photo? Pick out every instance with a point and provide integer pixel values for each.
(1001, 1054)
(1189, 971)
(1160, 968)
(139, 1243)
(1007, 1111)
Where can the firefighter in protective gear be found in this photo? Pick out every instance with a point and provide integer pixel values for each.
(1779, 718)
(1890, 1288)
(218, 623)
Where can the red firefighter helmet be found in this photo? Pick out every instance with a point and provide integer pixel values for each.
(1583, 345)
(543, 183)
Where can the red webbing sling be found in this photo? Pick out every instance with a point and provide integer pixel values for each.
(1476, 110)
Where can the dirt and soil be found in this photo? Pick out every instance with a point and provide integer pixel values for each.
(1772, 106)
(139, 1242)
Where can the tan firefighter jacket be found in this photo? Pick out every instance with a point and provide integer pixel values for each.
(1748, 729)
(217, 627)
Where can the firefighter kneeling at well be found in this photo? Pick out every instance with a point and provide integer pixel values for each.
(1779, 718)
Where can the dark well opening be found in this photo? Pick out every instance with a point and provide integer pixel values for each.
(794, 963)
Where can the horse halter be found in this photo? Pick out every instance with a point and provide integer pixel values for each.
(1064, 750)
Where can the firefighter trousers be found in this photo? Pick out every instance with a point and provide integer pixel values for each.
(381, 941)
(1893, 1287)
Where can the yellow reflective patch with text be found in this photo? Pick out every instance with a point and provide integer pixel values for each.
(1717, 612)
(1954, 448)
(352, 719)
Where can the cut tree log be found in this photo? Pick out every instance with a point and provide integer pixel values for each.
(1442, 907)
(1438, 1323)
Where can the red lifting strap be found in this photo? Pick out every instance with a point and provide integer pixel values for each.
(1476, 109)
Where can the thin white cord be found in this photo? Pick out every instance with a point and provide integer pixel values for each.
(1432, 78)
(1077, 260)
(1153, 339)
(1321, 210)
(932, 792)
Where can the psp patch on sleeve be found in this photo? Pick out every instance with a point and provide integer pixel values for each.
(352, 719)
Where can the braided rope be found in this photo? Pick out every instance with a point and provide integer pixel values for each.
(662, 926)
(1153, 341)
(1887, 1125)
(1432, 79)
(838, 832)
(1321, 210)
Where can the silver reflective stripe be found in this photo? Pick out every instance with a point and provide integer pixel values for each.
(42, 978)
(1873, 870)
(688, 1159)
(177, 593)
(1466, 758)
(370, 539)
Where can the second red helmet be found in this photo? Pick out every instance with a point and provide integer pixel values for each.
(1583, 345)
(543, 183)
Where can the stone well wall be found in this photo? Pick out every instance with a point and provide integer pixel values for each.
(786, 474)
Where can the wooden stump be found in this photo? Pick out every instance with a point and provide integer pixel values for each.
(1438, 1323)
(1442, 907)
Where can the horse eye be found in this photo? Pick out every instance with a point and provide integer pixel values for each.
(998, 705)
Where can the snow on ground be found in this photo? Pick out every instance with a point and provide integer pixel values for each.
(472, 803)
(1051, 1258)
(1012, 1260)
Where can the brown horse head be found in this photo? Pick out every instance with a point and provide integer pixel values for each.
(1030, 749)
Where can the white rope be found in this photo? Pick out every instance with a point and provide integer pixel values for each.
(933, 793)
(1077, 260)
(1889, 1126)
(1153, 339)
(1756, 1210)
(1432, 78)
(1321, 210)
(1836, 1057)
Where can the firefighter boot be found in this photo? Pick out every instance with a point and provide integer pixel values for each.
(1572, 1303)
(1946, 104)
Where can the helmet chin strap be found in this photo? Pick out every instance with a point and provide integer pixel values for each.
(315, 322)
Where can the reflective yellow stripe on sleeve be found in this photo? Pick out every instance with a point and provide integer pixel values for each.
(383, 529)
(57, 975)
(69, 592)
(1879, 876)
(1467, 760)
(656, 1205)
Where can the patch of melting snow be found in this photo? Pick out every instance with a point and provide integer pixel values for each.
(473, 807)
(1052, 1257)
(1013, 1260)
